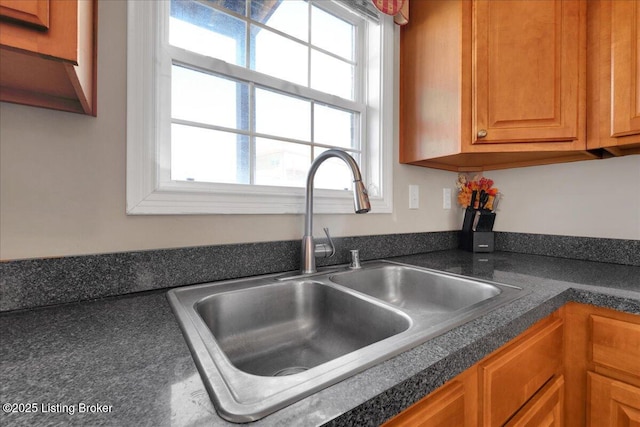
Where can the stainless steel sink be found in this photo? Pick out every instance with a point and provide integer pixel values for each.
(261, 344)
(417, 289)
(287, 328)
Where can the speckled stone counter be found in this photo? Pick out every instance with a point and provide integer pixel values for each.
(123, 361)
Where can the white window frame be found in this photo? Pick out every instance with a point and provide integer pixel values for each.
(149, 187)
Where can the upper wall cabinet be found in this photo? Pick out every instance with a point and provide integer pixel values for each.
(613, 76)
(493, 84)
(526, 75)
(27, 12)
(48, 54)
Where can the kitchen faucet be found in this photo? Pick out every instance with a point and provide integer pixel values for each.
(361, 205)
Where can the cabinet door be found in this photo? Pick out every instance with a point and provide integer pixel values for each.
(612, 403)
(52, 68)
(615, 344)
(29, 12)
(528, 71)
(61, 38)
(599, 340)
(454, 404)
(513, 375)
(625, 66)
(546, 408)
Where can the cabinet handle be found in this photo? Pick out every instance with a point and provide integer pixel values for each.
(482, 133)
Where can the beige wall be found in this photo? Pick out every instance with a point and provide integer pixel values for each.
(593, 198)
(62, 186)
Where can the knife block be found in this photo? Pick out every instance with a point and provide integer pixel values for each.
(477, 241)
(477, 234)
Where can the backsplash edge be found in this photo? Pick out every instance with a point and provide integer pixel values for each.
(41, 282)
(31, 283)
(615, 251)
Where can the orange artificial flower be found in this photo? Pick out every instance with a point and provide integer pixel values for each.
(478, 184)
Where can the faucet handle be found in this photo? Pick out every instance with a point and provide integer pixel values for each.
(323, 250)
(333, 247)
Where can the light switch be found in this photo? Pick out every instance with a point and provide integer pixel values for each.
(414, 198)
(446, 198)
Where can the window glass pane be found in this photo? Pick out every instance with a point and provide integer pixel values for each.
(334, 174)
(279, 56)
(332, 33)
(331, 75)
(204, 98)
(208, 155)
(282, 115)
(281, 163)
(334, 127)
(201, 29)
(237, 6)
(290, 16)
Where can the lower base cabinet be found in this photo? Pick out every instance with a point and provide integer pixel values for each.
(579, 366)
(515, 373)
(546, 407)
(612, 403)
(453, 404)
(602, 367)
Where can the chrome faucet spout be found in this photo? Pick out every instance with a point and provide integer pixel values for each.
(360, 201)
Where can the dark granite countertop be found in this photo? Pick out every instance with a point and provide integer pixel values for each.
(123, 361)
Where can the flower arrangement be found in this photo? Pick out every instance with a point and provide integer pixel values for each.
(478, 184)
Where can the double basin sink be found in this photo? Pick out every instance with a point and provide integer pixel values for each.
(261, 344)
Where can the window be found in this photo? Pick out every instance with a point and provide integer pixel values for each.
(229, 102)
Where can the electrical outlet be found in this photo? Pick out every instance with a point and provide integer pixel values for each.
(414, 198)
(446, 198)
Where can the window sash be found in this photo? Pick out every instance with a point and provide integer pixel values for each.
(149, 187)
(359, 150)
(193, 60)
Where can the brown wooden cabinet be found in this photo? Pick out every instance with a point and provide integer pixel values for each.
(515, 373)
(579, 366)
(613, 76)
(48, 54)
(453, 404)
(613, 379)
(488, 85)
(612, 403)
(27, 12)
(546, 407)
(499, 388)
(527, 71)
(600, 342)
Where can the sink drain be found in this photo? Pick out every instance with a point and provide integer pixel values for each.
(290, 371)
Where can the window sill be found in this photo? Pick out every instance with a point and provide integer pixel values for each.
(185, 198)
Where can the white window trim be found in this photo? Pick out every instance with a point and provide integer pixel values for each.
(148, 193)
